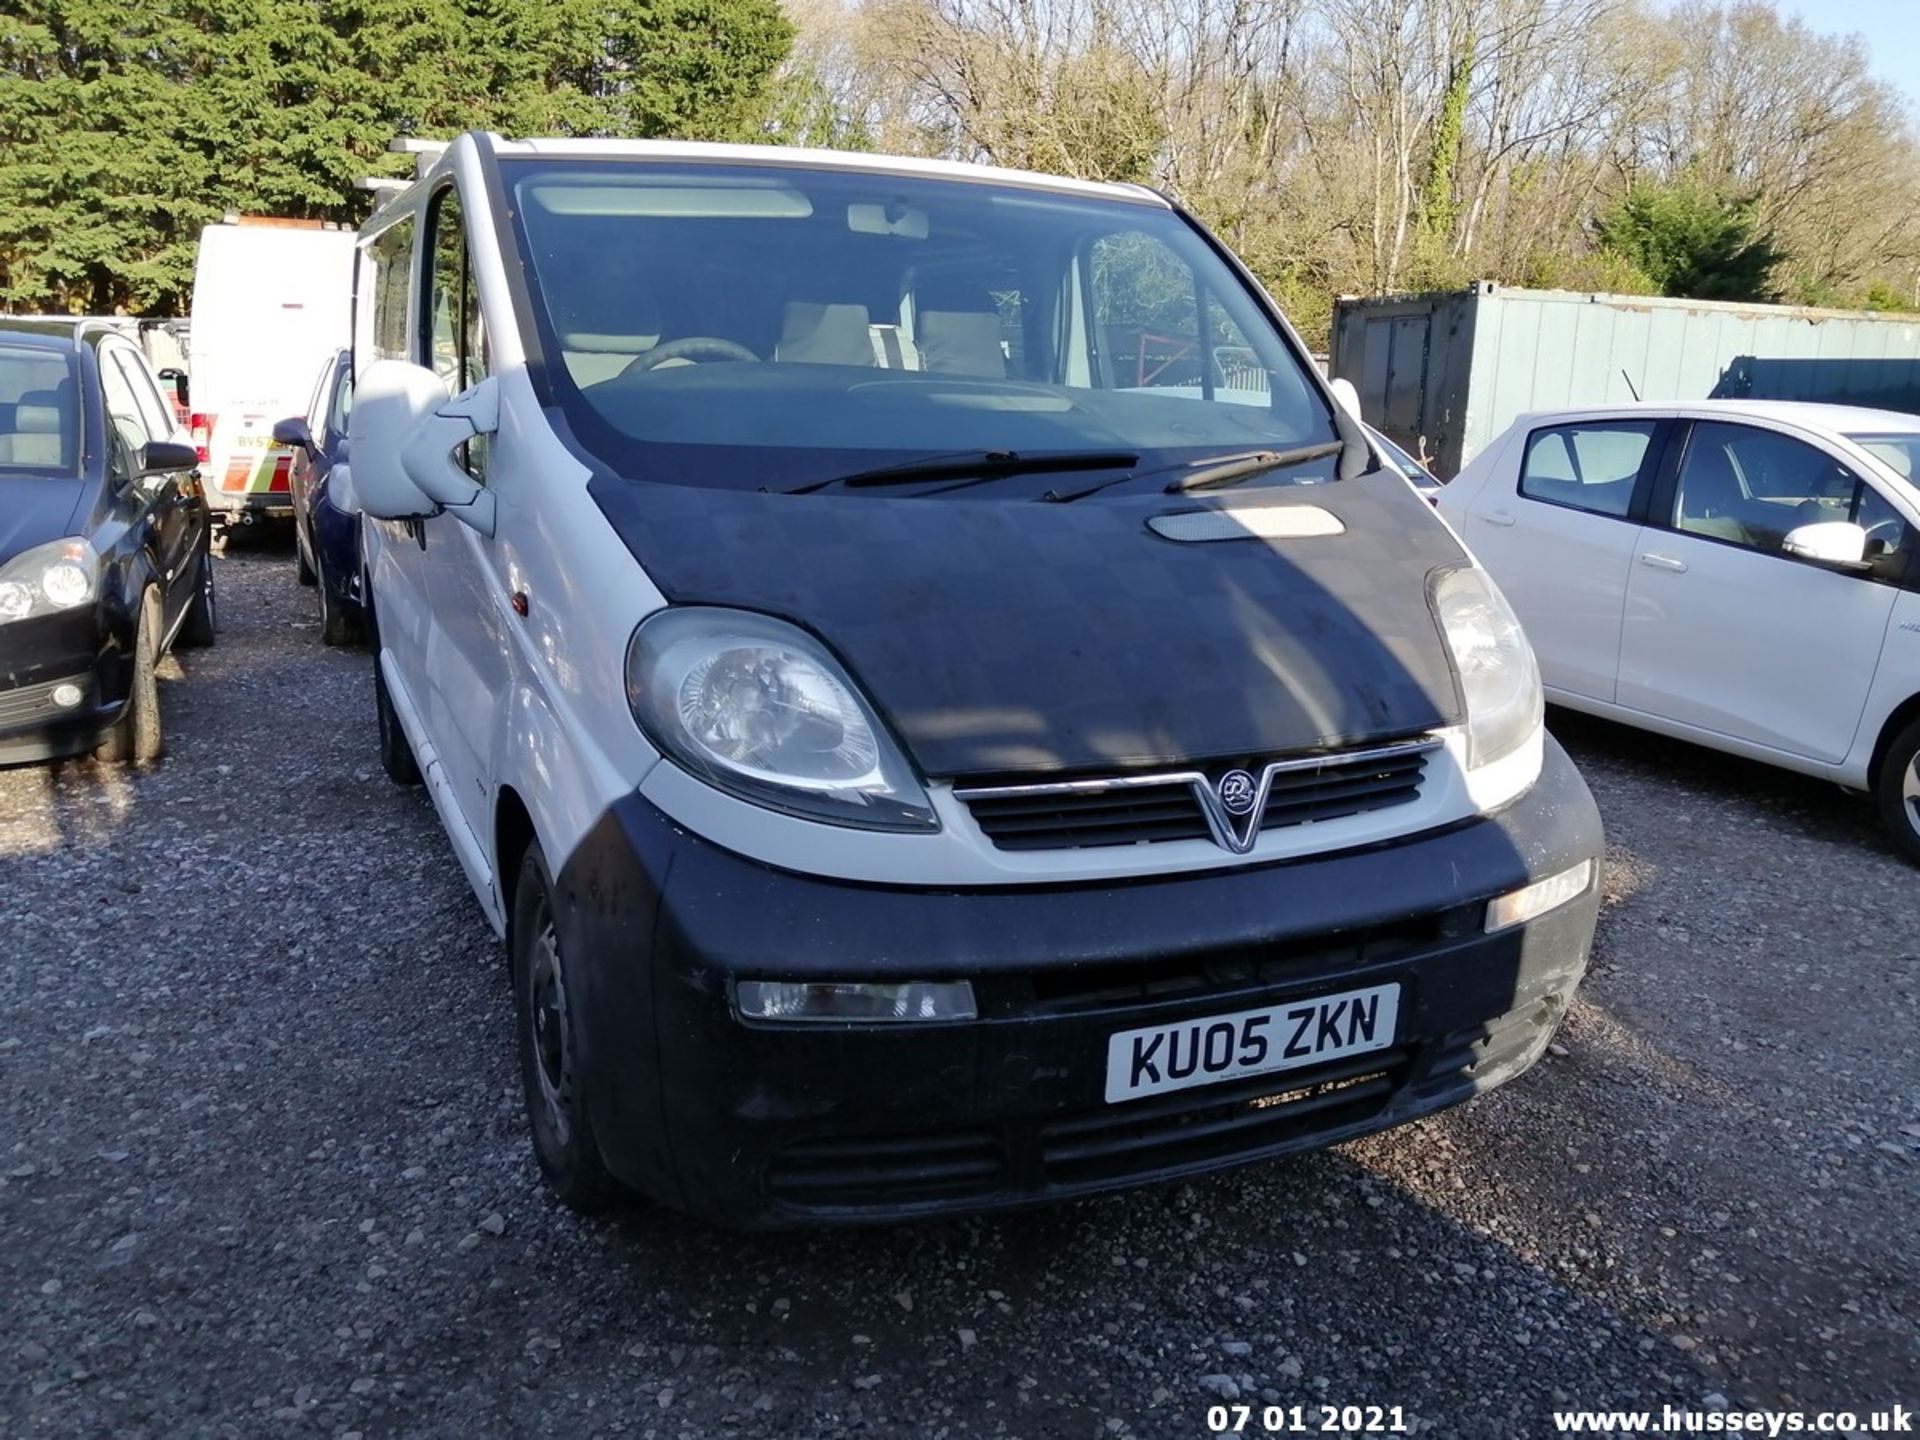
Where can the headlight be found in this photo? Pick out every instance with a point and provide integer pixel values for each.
(48, 578)
(1499, 679)
(757, 707)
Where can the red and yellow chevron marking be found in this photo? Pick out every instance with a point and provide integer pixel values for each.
(263, 472)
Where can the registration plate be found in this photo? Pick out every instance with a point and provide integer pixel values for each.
(1214, 1048)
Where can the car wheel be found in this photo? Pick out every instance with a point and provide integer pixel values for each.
(337, 625)
(136, 738)
(1899, 791)
(547, 1012)
(199, 627)
(304, 570)
(396, 755)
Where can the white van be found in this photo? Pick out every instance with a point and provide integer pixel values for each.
(271, 300)
(944, 707)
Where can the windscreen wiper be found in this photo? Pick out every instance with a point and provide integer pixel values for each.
(1218, 470)
(973, 467)
(1245, 467)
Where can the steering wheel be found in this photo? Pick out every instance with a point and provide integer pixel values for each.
(695, 348)
(1891, 525)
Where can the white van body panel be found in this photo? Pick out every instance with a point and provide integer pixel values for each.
(534, 704)
(270, 304)
(553, 724)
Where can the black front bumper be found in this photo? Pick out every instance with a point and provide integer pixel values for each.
(39, 656)
(768, 1125)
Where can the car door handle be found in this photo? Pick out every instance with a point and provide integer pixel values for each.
(1496, 517)
(1664, 562)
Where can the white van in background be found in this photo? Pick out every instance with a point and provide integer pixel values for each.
(271, 300)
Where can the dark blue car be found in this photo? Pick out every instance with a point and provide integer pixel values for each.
(326, 538)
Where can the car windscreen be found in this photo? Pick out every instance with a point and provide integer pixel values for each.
(1898, 450)
(751, 326)
(39, 411)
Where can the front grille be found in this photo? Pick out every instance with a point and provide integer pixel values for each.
(890, 1170)
(1146, 809)
(1077, 988)
(1191, 1127)
(25, 704)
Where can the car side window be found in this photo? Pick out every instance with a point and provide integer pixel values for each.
(1591, 467)
(341, 409)
(154, 411)
(1749, 486)
(452, 330)
(127, 429)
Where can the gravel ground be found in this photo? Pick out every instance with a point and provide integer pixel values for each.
(263, 1170)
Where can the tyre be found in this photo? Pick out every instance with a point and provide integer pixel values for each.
(136, 737)
(338, 626)
(396, 755)
(1898, 791)
(546, 1012)
(303, 571)
(199, 627)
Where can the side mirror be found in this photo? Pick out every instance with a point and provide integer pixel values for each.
(294, 430)
(176, 381)
(161, 457)
(1348, 397)
(402, 434)
(1838, 544)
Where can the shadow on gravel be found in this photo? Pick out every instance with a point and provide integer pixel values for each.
(1818, 809)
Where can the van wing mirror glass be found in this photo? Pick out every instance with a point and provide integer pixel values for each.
(1840, 544)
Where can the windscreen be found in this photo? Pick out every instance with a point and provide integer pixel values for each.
(39, 411)
(1901, 451)
(753, 326)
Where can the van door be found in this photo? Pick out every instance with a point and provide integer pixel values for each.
(1725, 631)
(467, 643)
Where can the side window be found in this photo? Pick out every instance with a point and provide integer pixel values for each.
(126, 428)
(1586, 467)
(155, 414)
(342, 407)
(391, 254)
(453, 335)
(1750, 486)
(1889, 537)
(1154, 329)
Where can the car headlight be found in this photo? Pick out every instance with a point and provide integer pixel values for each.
(1499, 678)
(759, 708)
(47, 579)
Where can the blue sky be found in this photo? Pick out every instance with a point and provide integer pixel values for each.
(1888, 27)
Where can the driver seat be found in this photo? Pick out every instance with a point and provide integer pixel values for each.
(816, 332)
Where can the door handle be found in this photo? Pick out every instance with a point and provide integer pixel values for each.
(1664, 562)
(1496, 517)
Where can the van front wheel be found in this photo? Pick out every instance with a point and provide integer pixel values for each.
(1899, 791)
(547, 1013)
(396, 755)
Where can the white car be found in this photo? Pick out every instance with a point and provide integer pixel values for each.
(1737, 573)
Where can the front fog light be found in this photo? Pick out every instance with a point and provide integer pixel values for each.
(1519, 906)
(850, 1001)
